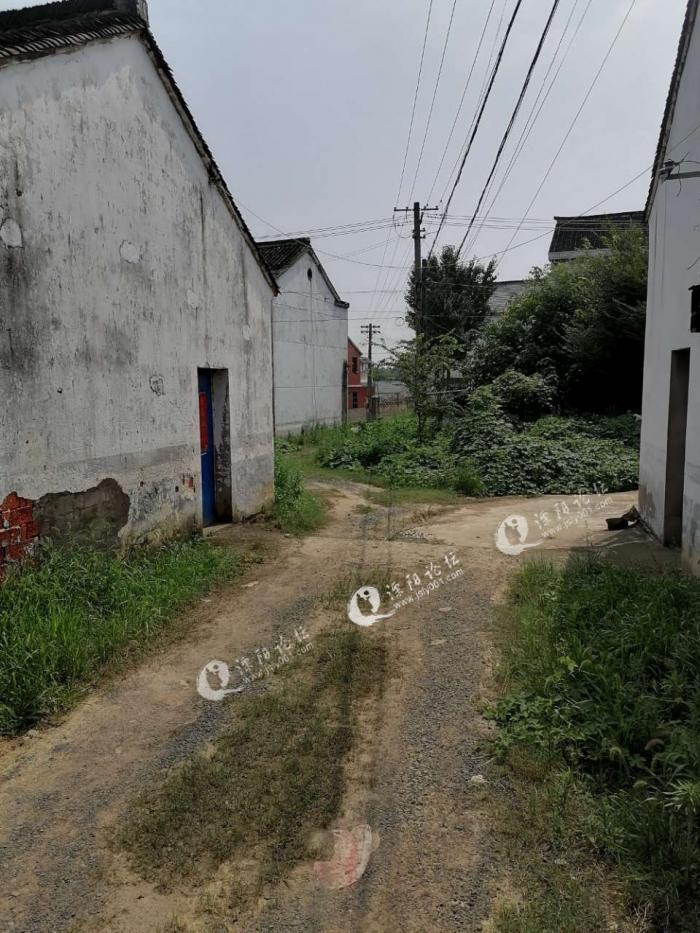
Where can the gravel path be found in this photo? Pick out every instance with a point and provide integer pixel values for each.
(411, 777)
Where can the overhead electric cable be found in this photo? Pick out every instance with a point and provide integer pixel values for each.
(575, 120)
(432, 103)
(513, 118)
(462, 99)
(477, 123)
(534, 114)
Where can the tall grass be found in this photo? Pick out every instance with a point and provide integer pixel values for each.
(64, 619)
(603, 671)
(295, 510)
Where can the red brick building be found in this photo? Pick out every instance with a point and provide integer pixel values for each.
(357, 378)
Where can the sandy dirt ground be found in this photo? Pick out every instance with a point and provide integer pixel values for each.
(417, 780)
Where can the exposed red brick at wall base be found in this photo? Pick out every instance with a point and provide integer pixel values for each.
(18, 530)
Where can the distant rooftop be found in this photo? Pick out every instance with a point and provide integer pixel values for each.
(281, 254)
(573, 234)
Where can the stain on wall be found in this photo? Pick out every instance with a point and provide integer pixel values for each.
(93, 517)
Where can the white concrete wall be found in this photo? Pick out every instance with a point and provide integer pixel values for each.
(131, 273)
(674, 266)
(310, 347)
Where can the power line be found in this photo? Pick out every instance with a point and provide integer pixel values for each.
(479, 100)
(463, 98)
(408, 140)
(535, 112)
(477, 124)
(576, 117)
(415, 100)
(432, 103)
(514, 116)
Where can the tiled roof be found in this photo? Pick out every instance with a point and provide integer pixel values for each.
(683, 46)
(281, 254)
(573, 233)
(42, 30)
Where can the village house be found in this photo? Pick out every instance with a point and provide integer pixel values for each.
(505, 292)
(577, 236)
(135, 307)
(358, 390)
(310, 332)
(670, 448)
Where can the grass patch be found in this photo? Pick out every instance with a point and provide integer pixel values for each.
(295, 510)
(602, 672)
(270, 783)
(66, 618)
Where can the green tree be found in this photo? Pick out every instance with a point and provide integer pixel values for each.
(426, 366)
(579, 324)
(456, 297)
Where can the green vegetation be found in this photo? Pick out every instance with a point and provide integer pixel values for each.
(579, 327)
(272, 781)
(296, 510)
(485, 452)
(64, 619)
(602, 672)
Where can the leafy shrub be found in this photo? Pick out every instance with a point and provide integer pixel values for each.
(604, 664)
(524, 397)
(365, 445)
(625, 429)
(553, 456)
(295, 509)
(549, 457)
(467, 480)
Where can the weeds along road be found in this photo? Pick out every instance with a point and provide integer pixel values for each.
(417, 795)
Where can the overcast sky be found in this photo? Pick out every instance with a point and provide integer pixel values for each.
(307, 105)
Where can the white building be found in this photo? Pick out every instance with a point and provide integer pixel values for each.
(505, 292)
(310, 338)
(135, 308)
(670, 451)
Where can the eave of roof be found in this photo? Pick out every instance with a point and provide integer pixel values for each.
(670, 109)
(25, 34)
(571, 233)
(283, 253)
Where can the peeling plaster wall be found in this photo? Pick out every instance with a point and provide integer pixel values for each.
(310, 346)
(674, 266)
(121, 272)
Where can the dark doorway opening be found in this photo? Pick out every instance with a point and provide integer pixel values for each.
(215, 445)
(675, 447)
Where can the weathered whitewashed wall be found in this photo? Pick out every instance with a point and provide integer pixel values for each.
(121, 272)
(310, 347)
(674, 266)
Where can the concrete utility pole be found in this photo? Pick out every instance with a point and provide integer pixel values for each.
(418, 235)
(371, 330)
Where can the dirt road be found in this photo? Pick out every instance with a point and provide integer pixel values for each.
(419, 776)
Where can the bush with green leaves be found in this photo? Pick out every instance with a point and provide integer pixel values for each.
(552, 456)
(582, 321)
(525, 397)
(603, 668)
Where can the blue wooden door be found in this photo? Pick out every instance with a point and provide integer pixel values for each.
(206, 435)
